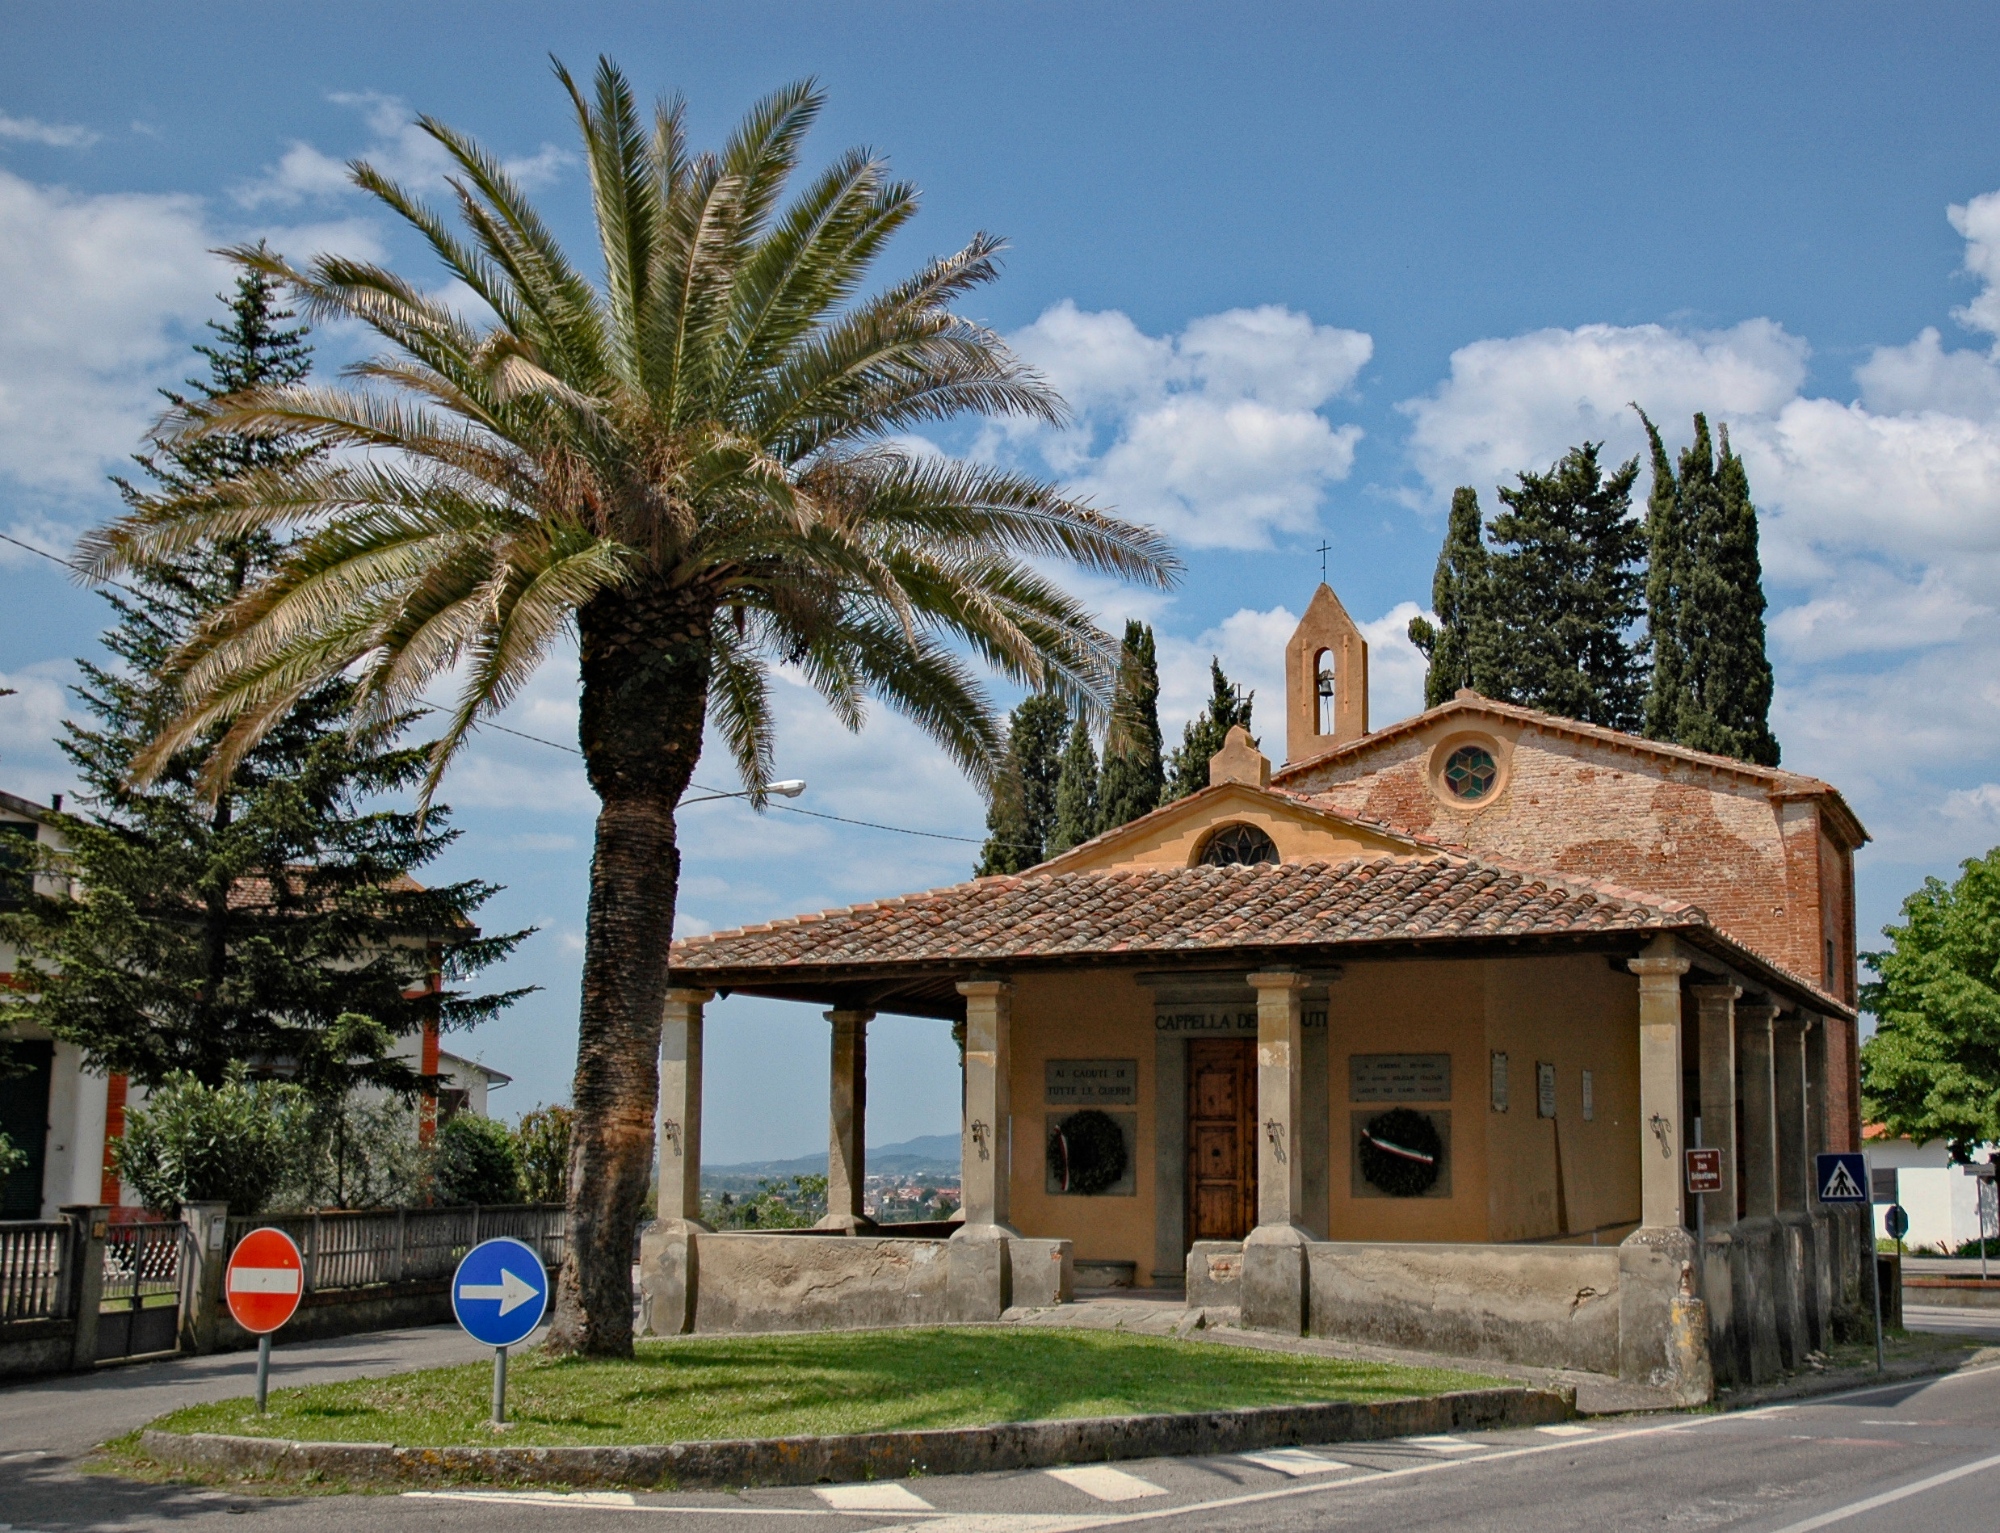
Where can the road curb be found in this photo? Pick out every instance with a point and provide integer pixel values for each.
(868, 1455)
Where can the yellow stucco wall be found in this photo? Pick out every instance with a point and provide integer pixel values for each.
(1174, 839)
(1576, 1011)
(1088, 1015)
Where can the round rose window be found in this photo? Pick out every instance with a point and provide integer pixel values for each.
(1238, 844)
(1469, 772)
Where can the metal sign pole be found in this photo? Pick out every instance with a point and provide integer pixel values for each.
(1874, 1261)
(499, 1386)
(263, 1370)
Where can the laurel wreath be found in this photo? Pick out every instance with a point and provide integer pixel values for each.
(1401, 1153)
(1086, 1153)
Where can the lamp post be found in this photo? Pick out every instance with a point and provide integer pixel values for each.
(791, 787)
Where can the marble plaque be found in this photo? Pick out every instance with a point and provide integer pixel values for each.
(1399, 1077)
(1078, 1083)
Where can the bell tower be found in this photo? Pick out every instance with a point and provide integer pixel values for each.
(1326, 679)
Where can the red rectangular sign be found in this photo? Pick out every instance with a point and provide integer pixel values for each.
(1704, 1170)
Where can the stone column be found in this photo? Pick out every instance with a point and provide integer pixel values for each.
(1772, 1317)
(979, 1273)
(1721, 1260)
(667, 1247)
(847, 1118)
(1718, 1095)
(1275, 1279)
(1660, 1106)
(988, 1105)
(1788, 1053)
(1663, 1329)
(1760, 1110)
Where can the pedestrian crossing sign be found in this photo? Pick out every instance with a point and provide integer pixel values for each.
(1842, 1178)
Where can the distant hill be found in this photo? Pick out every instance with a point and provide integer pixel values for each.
(926, 1155)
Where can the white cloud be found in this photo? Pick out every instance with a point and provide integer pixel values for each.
(51, 135)
(1907, 380)
(1213, 435)
(1521, 403)
(1978, 221)
(31, 764)
(396, 146)
(1868, 610)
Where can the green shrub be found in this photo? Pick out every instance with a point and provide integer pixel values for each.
(476, 1161)
(191, 1143)
(357, 1151)
(542, 1145)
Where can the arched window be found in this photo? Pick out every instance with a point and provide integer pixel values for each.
(1234, 844)
(1323, 691)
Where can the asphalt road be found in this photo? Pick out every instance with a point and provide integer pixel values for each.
(1898, 1456)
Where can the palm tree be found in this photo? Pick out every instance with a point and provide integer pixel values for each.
(696, 465)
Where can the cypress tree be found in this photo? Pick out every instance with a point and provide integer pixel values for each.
(1187, 767)
(1077, 818)
(1021, 816)
(1566, 583)
(273, 928)
(1134, 775)
(1712, 682)
(1458, 647)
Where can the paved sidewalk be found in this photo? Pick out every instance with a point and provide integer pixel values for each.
(71, 1413)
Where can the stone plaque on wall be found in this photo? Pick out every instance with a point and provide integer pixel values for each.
(1399, 1077)
(1091, 1082)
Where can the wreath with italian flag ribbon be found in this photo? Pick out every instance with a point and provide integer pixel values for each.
(1401, 1153)
(1086, 1152)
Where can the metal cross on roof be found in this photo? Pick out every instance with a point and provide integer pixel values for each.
(1324, 548)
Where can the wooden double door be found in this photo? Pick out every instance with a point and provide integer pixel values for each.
(1222, 1138)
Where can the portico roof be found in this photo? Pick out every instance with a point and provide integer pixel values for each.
(905, 954)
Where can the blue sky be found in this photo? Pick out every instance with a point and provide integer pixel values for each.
(1301, 269)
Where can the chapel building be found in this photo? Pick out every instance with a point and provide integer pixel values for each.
(1350, 1045)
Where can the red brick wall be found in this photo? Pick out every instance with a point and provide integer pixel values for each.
(1758, 868)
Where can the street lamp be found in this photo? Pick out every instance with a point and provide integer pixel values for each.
(791, 787)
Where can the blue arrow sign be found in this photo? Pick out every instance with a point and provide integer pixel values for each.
(500, 1292)
(1842, 1177)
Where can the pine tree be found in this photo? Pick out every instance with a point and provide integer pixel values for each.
(1458, 647)
(1187, 768)
(1566, 581)
(1021, 815)
(1711, 687)
(1077, 817)
(1134, 775)
(280, 927)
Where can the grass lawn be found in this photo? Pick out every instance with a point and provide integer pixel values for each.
(776, 1386)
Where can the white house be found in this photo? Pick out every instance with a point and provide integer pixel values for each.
(1941, 1199)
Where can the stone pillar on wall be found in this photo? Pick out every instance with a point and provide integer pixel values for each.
(847, 1122)
(1274, 1255)
(1722, 1258)
(667, 1246)
(979, 1282)
(1663, 1330)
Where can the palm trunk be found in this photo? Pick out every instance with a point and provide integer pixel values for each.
(645, 692)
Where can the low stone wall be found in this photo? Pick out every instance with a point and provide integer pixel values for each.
(349, 1312)
(1951, 1292)
(1548, 1306)
(29, 1347)
(710, 1281)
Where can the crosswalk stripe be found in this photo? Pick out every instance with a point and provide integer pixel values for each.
(1567, 1429)
(1106, 1483)
(1293, 1461)
(1443, 1444)
(877, 1496)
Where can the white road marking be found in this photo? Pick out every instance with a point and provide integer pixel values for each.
(595, 1498)
(1293, 1461)
(1856, 1508)
(1567, 1429)
(1106, 1483)
(1443, 1444)
(873, 1496)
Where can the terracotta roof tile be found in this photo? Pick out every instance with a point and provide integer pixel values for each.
(1141, 910)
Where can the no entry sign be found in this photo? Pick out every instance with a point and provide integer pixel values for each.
(1704, 1170)
(266, 1281)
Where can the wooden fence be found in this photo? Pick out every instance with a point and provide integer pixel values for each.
(393, 1245)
